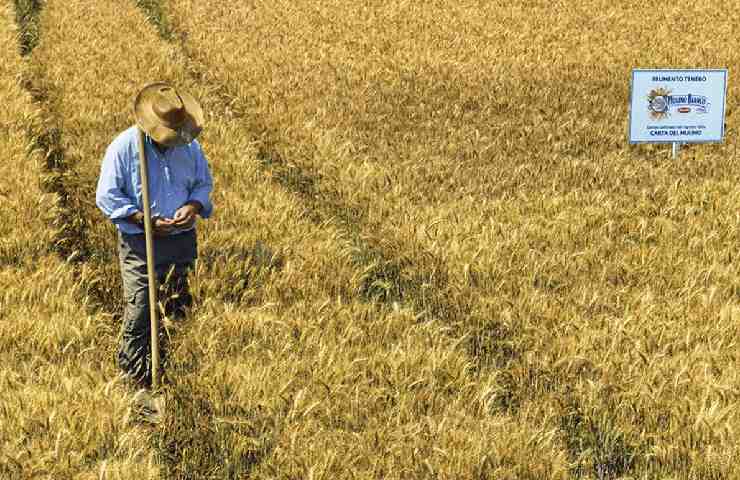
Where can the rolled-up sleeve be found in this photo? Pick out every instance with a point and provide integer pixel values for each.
(203, 185)
(111, 196)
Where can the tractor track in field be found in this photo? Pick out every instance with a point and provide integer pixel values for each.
(73, 243)
(428, 292)
(388, 278)
(385, 280)
(74, 215)
(27, 18)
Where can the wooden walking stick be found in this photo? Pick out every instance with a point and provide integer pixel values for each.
(148, 233)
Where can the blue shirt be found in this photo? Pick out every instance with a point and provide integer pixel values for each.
(178, 175)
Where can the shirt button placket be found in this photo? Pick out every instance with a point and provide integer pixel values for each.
(169, 175)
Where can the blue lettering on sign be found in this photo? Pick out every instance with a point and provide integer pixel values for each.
(699, 102)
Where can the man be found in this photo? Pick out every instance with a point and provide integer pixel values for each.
(180, 185)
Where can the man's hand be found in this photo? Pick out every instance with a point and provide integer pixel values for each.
(186, 215)
(160, 226)
(163, 226)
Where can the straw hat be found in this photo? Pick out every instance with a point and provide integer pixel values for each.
(169, 116)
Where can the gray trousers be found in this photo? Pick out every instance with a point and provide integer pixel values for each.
(174, 257)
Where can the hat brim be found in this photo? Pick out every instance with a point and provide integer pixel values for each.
(150, 123)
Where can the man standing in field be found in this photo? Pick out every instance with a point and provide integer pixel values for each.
(180, 185)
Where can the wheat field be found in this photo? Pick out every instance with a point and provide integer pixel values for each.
(434, 253)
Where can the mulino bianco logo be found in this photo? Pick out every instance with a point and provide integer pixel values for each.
(661, 103)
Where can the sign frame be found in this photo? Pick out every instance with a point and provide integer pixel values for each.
(677, 72)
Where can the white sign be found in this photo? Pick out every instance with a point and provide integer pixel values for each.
(685, 106)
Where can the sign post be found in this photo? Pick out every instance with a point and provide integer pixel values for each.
(677, 106)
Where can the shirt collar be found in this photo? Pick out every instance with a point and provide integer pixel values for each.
(150, 142)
